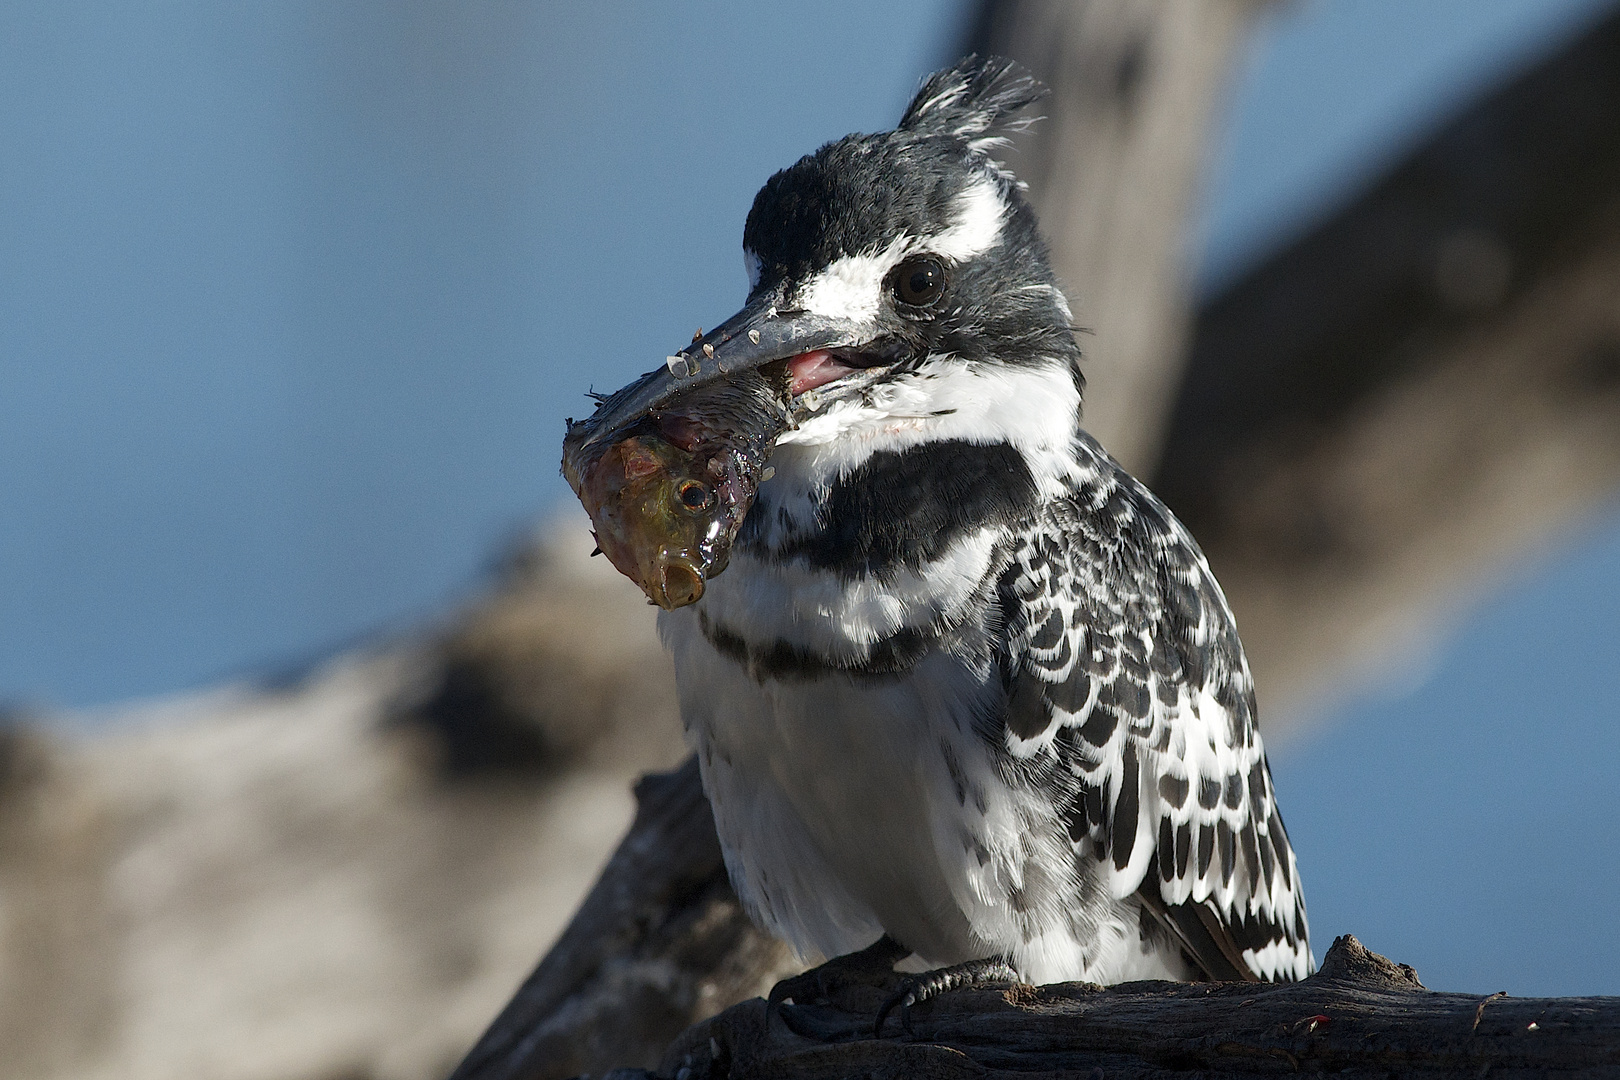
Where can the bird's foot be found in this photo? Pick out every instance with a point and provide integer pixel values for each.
(872, 966)
(916, 989)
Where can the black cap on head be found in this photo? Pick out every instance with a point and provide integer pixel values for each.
(862, 189)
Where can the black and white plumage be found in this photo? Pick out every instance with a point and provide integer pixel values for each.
(965, 681)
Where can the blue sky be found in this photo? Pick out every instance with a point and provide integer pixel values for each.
(294, 298)
(1464, 825)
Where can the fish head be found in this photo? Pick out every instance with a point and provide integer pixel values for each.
(658, 515)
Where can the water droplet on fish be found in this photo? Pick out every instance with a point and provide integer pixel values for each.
(680, 366)
(770, 471)
(753, 335)
(708, 350)
(697, 335)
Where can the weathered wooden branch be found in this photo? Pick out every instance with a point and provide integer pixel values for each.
(1382, 418)
(660, 943)
(1359, 1016)
(1113, 169)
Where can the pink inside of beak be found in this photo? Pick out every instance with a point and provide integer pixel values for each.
(812, 369)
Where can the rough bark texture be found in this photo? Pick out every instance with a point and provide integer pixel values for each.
(1112, 169)
(1359, 1016)
(1382, 418)
(659, 943)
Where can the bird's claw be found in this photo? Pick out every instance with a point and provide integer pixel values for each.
(871, 966)
(930, 984)
(903, 1000)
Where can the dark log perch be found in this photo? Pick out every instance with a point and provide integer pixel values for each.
(1359, 1016)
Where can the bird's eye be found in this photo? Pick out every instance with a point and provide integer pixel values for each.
(693, 495)
(919, 282)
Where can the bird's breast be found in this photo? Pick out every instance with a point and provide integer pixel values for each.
(828, 794)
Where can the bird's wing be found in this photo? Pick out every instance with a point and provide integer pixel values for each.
(1128, 695)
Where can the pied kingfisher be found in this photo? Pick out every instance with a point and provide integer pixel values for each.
(966, 685)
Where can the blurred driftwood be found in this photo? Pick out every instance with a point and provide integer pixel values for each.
(1360, 1016)
(337, 875)
(1381, 419)
(1423, 388)
(1113, 167)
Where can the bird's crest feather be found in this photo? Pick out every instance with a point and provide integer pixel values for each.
(974, 100)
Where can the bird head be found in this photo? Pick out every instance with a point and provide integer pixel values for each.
(880, 256)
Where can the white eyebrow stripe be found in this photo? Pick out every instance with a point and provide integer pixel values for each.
(852, 287)
(980, 212)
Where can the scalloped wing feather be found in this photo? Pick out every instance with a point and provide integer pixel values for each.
(1128, 695)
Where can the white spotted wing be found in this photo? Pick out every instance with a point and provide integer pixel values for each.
(1129, 699)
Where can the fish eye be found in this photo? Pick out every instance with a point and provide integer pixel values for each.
(693, 495)
(919, 282)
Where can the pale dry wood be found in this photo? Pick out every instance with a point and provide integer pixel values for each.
(1113, 167)
(1385, 418)
(340, 872)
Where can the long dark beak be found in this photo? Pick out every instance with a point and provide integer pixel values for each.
(756, 335)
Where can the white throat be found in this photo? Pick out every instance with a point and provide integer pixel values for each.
(1035, 409)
